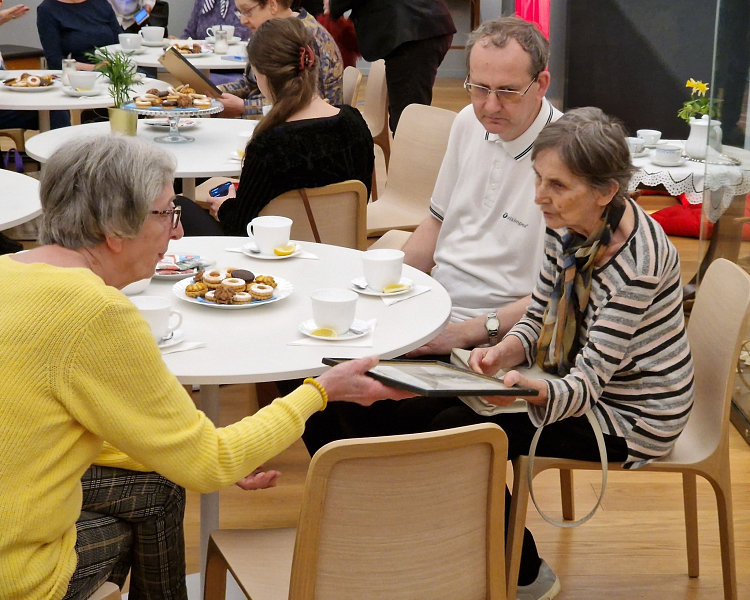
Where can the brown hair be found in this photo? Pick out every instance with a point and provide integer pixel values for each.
(275, 51)
(592, 145)
(282, 3)
(499, 32)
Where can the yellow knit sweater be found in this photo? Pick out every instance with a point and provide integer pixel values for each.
(78, 366)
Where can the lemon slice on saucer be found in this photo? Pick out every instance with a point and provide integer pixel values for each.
(395, 287)
(241, 153)
(285, 250)
(324, 332)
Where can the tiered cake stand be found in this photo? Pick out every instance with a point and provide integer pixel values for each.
(174, 115)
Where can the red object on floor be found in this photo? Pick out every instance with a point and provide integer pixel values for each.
(342, 32)
(680, 220)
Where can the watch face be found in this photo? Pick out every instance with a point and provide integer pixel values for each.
(492, 324)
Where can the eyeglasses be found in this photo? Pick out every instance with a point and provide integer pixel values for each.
(239, 14)
(504, 96)
(175, 211)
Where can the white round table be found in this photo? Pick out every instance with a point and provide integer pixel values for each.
(208, 156)
(56, 99)
(251, 345)
(149, 57)
(19, 201)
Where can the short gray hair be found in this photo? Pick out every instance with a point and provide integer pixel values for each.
(499, 32)
(592, 145)
(99, 187)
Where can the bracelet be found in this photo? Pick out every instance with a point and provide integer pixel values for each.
(317, 385)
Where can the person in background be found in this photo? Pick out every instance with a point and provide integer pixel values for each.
(127, 9)
(25, 119)
(75, 28)
(244, 98)
(207, 13)
(303, 142)
(413, 36)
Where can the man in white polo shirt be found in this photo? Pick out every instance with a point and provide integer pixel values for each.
(483, 239)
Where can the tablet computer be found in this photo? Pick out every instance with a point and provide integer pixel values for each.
(436, 379)
(185, 72)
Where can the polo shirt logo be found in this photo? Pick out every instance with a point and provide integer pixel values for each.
(514, 220)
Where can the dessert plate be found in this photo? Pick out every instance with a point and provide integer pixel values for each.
(283, 289)
(32, 90)
(162, 273)
(69, 91)
(358, 329)
(164, 123)
(680, 163)
(252, 251)
(360, 285)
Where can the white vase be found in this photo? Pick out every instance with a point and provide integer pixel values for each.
(703, 133)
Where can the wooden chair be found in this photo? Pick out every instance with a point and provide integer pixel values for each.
(716, 330)
(395, 239)
(352, 79)
(418, 151)
(17, 135)
(108, 591)
(335, 214)
(412, 516)
(375, 114)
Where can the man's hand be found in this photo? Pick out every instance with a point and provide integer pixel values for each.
(259, 480)
(234, 106)
(14, 12)
(347, 382)
(453, 336)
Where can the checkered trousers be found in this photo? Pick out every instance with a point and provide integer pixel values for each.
(130, 521)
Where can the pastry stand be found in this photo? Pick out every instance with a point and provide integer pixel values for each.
(174, 115)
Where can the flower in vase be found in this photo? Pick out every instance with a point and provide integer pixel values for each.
(698, 104)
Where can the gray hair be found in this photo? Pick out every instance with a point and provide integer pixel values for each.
(592, 145)
(99, 187)
(499, 32)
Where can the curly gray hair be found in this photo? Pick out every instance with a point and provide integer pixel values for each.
(99, 187)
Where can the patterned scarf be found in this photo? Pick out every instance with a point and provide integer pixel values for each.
(208, 6)
(558, 343)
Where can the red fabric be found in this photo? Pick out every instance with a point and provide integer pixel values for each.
(680, 220)
(536, 11)
(342, 32)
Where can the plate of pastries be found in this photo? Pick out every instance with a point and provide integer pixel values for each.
(182, 97)
(232, 289)
(30, 83)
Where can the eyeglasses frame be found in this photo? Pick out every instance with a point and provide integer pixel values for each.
(239, 14)
(468, 86)
(175, 212)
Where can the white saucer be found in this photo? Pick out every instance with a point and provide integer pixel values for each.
(138, 51)
(680, 163)
(201, 55)
(235, 40)
(360, 285)
(659, 143)
(178, 335)
(235, 156)
(69, 91)
(164, 123)
(641, 154)
(159, 44)
(309, 326)
(248, 248)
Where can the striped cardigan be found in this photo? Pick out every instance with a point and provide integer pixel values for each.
(634, 367)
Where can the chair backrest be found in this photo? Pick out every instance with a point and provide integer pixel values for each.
(417, 152)
(339, 211)
(375, 110)
(717, 327)
(352, 79)
(413, 516)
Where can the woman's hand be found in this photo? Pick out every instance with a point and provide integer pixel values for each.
(84, 66)
(234, 106)
(515, 378)
(215, 203)
(347, 382)
(259, 480)
(326, 7)
(14, 12)
(490, 360)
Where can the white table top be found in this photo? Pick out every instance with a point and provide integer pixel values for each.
(19, 201)
(207, 156)
(250, 346)
(150, 57)
(56, 99)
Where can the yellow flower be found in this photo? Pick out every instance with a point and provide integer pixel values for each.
(691, 83)
(699, 87)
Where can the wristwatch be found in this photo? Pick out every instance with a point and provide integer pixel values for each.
(492, 324)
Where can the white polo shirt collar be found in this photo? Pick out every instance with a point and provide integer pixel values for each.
(522, 145)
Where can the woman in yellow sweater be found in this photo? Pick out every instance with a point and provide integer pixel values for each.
(80, 368)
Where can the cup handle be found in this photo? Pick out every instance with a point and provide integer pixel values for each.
(179, 319)
(210, 32)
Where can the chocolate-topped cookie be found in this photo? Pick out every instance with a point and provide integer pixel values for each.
(244, 274)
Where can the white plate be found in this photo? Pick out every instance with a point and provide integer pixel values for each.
(247, 252)
(178, 335)
(164, 123)
(359, 283)
(119, 48)
(681, 162)
(32, 90)
(309, 326)
(187, 272)
(203, 54)
(69, 91)
(159, 44)
(283, 289)
(235, 39)
(235, 156)
(641, 154)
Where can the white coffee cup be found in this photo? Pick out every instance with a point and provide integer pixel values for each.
(667, 155)
(228, 28)
(158, 313)
(243, 137)
(636, 144)
(334, 308)
(649, 136)
(130, 41)
(83, 80)
(152, 33)
(270, 232)
(382, 267)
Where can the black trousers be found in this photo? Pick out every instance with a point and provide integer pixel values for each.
(570, 438)
(196, 220)
(410, 72)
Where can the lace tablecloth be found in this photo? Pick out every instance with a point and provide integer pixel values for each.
(693, 178)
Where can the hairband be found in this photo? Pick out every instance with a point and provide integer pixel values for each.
(306, 58)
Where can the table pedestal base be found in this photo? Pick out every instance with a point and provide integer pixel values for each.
(209, 396)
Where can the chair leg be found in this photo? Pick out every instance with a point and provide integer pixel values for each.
(722, 485)
(518, 508)
(690, 499)
(566, 495)
(374, 192)
(215, 584)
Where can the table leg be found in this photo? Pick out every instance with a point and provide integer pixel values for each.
(188, 187)
(43, 121)
(209, 397)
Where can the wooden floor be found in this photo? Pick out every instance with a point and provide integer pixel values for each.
(634, 548)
